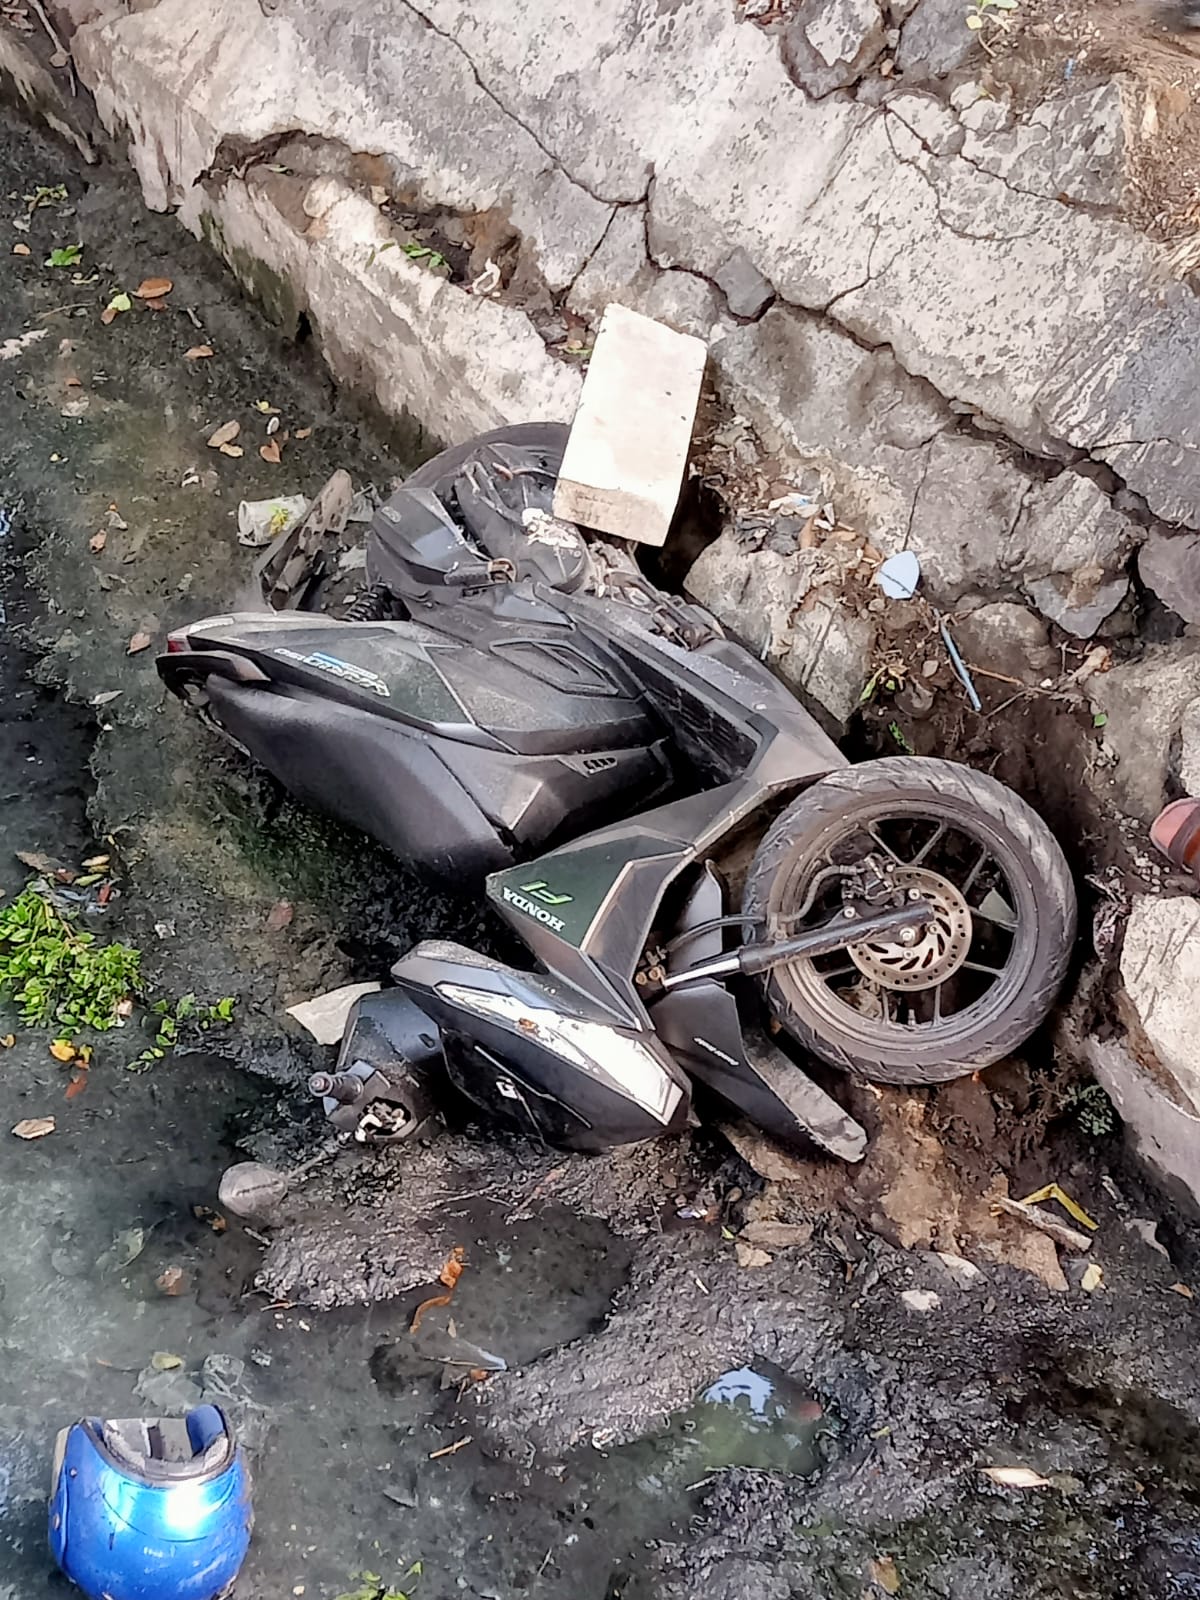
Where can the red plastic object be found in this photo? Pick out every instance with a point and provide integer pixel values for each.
(1176, 832)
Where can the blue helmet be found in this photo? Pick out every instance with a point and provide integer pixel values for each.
(151, 1508)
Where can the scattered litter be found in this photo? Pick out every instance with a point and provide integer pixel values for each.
(20, 249)
(273, 428)
(126, 1247)
(451, 1449)
(1176, 1288)
(1069, 1238)
(280, 915)
(1051, 1191)
(452, 1271)
(214, 1218)
(97, 542)
(62, 1050)
(164, 1361)
(921, 1300)
(105, 697)
(12, 348)
(48, 866)
(234, 450)
(225, 434)
(34, 1127)
(353, 560)
(270, 451)
(153, 288)
(171, 1281)
(139, 642)
(325, 1015)
(1016, 1477)
(198, 352)
(266, 408)
(1092, 1279)
(960, 666)
(445, 1345)
(899, 576)
(488, 280)
(165, 929)
(884, 1574)
(8, 1040)
(118, 303)
(261, 521)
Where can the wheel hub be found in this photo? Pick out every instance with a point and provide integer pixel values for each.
(939, 948)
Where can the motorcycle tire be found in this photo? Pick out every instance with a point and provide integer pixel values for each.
(906, 791)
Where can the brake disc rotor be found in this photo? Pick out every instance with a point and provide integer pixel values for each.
(939, 948)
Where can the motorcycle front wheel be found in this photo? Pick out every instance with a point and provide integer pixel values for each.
(982, 974)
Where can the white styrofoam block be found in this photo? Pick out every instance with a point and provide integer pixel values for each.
(625, 458)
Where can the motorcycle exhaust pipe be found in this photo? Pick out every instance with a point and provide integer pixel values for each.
(752, 959)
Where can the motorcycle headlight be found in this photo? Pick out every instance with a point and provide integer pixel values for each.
(595, 1048)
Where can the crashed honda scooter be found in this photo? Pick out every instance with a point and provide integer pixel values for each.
(711, 896)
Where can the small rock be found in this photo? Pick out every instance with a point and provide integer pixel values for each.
(1189, 753)
(252, 1190)
(1169, 564)
(965, 1273)
(777, 1235)
(935, 40)
(770, 1160)
(743, 285)
(921, 1300)
(748, 1256)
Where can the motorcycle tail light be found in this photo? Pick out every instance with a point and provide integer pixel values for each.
(177, 643)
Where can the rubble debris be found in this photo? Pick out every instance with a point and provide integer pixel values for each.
(325, 1016)
(1068, 1238)
(627, 451)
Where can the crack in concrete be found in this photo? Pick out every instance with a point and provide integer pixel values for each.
(915, 166)
(506, 110)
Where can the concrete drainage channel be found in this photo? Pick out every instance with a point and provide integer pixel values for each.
(593, 1464)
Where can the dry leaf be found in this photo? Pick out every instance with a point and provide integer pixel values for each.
(97, 542)
(76, 1086)
(171, 1280)
(10, 1039)
(225, 434)
(21, 250)
(34, 1127)
(96, 863)
(280, 915)
(452, 1269)
(164, 1361)
(884, 1573)
(109, 314)
(214, 1218)
(140, 641)
(153, 288)
(1092, 1279)
(62, 1050)
(270, 451)
(1176, 1288)
(198, 352)
(303, 433)
(231, 450)
(1016, 1477)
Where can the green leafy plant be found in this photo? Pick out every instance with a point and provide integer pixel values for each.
(433, 259)
(1092, 1110)
(57, 973)
(901, 738)
(65, 255)
(372, 1587)
(44, 195)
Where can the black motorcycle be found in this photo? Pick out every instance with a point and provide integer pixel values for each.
(708, 890)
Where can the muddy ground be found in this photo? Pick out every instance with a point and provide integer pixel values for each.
(587, 1468)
